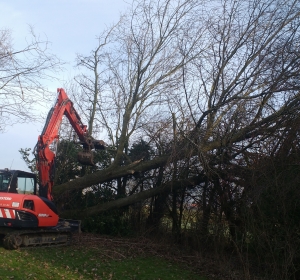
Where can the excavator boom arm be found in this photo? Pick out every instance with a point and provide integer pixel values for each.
(45, 155)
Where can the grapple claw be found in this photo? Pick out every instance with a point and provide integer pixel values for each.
(99, 144)
(85, 158)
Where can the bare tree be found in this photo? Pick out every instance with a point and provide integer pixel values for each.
(227, 70)
(130, 74)
(87, 91)
(22, 72)
(150, 52)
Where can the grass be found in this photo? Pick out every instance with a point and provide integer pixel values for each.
(88, 262)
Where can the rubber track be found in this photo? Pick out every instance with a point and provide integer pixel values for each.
(9, 239)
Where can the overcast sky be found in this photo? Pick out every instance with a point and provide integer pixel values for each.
(72, 27)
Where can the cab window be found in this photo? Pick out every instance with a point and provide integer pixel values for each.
(25, 185)
(4, 182)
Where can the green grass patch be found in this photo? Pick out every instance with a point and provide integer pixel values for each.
(79, 262)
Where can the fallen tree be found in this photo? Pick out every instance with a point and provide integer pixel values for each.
(115, 204)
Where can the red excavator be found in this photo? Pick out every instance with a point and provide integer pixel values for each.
(28, 217)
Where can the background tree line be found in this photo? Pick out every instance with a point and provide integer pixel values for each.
(198, 102)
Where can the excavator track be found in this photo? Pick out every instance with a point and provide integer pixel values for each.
(36, 238)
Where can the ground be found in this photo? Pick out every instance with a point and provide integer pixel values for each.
(120, 248)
